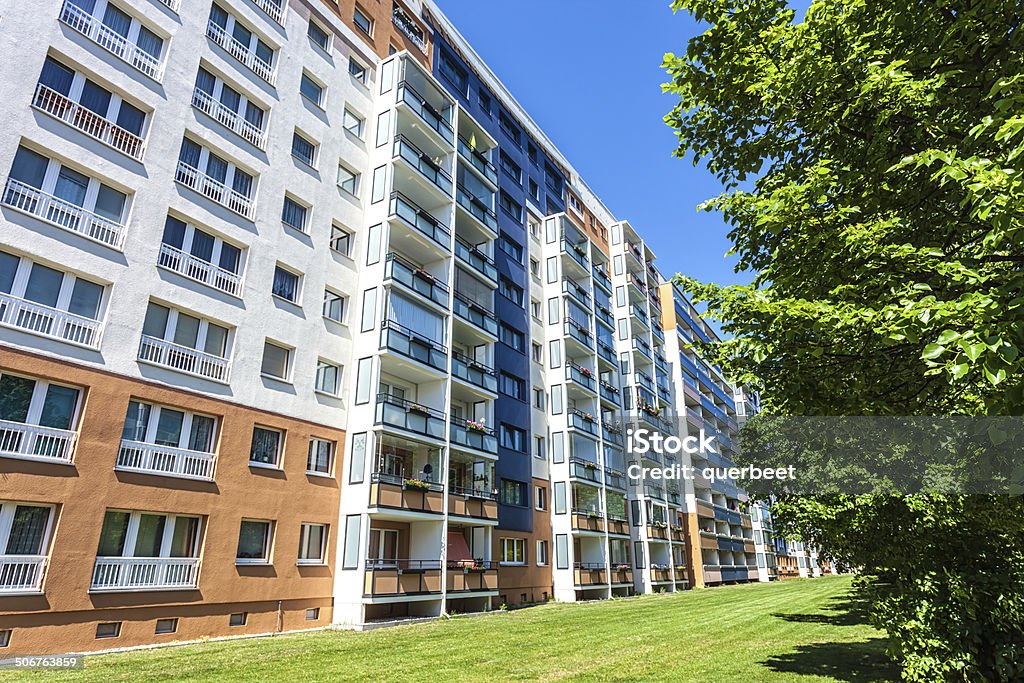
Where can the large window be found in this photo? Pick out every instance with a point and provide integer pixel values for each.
(145, 534)
(163, 426)
(513, 551)
(312, 544)
(513, 493)
(254, 537)
(512, 438)
(121, 29)
(194, 159)
(59, 79)
(277, 361)
(383, 548)
(45, 286)
(27, 401)
(320, 459)
(266, 447)
(25, 531)
(513, 337)
(513, 386)
(195, 253)
(185, 330)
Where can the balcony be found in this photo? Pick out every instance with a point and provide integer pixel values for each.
(93, 28)
(272, 8)
(574, 330)
(52, 323)
(601, 278)
(580, 376)
(439, 178)
(242, 53)
(622, 575)
(617, 480)
(403, 341)
(664, 393)
(401, 577)
(200, 271)
(62, 108)
(604, 314)
(410, 416)
(474, 576)
(640, 316)
(476, 259)
(409, 27)
(467, 502)
(64, 215)
(589, 573)
(611, 433)
(215, 190)
(573, 289)
(172, 5)
(420, 220)
(588, 520)
(399, 493)
(184, 359)
(34, 442)
(583, 421)
(415, 279)
(587, 470)
(477, 208)
(577, 254)
(643, 380)
(657, 530)
(148, 458)
(474, 372)
(642, 346)
(475, 314)
(606, 351)
(661, 573)
(438, 122)
(21, 573)
(145, 573)
(610, 393)
(473, 435)
(228, 118)
(618, 524)
(480, 162)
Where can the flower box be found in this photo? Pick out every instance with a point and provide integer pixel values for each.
(416, 485)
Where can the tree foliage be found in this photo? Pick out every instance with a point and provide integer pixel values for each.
(872, 157)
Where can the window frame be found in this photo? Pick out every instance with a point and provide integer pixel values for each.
(267, 558)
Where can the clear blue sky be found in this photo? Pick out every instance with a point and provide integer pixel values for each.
(589, 73)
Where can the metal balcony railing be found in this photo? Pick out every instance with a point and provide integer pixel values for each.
(215, 190)
(149, 573)
(63, 214)
(184, 359)
(65, 109)
(242, 53)
(230, 119)
(93, 28)
(149, 458)
(201, 271)
(21, 440)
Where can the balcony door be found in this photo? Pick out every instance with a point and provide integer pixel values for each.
(147, 535)
(383, 549)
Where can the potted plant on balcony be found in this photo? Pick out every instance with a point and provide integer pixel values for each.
(587, 416)
(578, 248)
(416, 485)
(474, 426)
(584, 371)
(659, 525)
(589, 465)
(593, 514)
(621, 566)
(417, 408)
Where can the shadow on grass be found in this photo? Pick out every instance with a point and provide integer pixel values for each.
(843, 610)
(859, 662)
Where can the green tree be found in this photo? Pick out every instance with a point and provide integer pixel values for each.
(871, 155)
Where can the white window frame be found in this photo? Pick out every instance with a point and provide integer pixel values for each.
(360, 123)
(331, 296)
(153, 422)
(368, 29)
(218, 247)
(52, 173)
(278, 456)
(289, 361)
(326, 49)
(321, 363)
(314, 157)
(304, 537)
(332, 446)
(8, 508)
(203, 167)
(171, 520)
(518, 547)
(355, 180)
(244, 99)
(268, 543)
(204, 328)
(381, 562)
(116, 99)
(542, 554)
(321, 101)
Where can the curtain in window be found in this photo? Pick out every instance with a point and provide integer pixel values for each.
(8, 270)
(185, 537)
(216, 340)
(205, 81)
(27, 530)
(264, 446)
(86, 6)
(150, 43)
(29, 167)
(56, 76)
(190, 153)
(202, 245)
(201, 438)
(95, 99)
(254, 115)
(110, 203)
(113, 535)
(168, 427)
(230, 258)
(217, 168)
(415, 318)
(44, 285)
(71, 186)
(135, 421)
(219, 16)
(230, 98)
(131, 118)
(117, 21)
(242, 183)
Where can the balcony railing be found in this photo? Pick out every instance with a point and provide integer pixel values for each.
(577, 253)
(579, 333)
(52, 323)
(639, 314)
(416, 279)
(201, 271)
(402, 577)
(476, 314)
(230, 119)
(149, 458)
(642, 346)
(242, 53)
(477, 208)
(478, 161)
(409, 27)
(420, 219)
(21, 573)
(399, 493)
(574, 289)
(474, 372)
(214, 189)
(184, 359)
(145, 573)
(93, 28)
(471, 576)
(580, 375)
(475, 435)
(476, 259)
(65, 109)
(422, 162)
(431, 116)
(584, 421)
(589, 573)
(601, 278)
(21, 440)
(615, 479)
(606, 351)
(63, 214)
(581, 468)
(173, 5)
(605, 315)
(611, 433)
(410, 416)
(272, 8)
(610, 392)
(400, 339)
(643, 380)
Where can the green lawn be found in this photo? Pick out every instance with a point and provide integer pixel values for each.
(808, 630)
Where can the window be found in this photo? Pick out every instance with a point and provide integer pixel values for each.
(147, 423)
(212, 176)
(513, 386)
(25, 531)
(450, 69)
(575, 205)
(511, 207)
(37, 402)
(341, 240)
(559, 497)
(311, 90)
(110, 629)
(122, 30)
(353, 123)
(485, 101)
(364, 22)
(535, 268)
(538, 399)
(540, 496)
(508, 127)
(534, 190)
(535, 310)
(33, 170)
(303, 149)
(184, 330)
(320, 459)
(286, 284)
(510, 168)
(542, 552)
(201, 256)
(511, 247)
(145, 534)
(254, 542)
(238, 619)
(512, 437)
(276, 361)
(334, 306)
(5, 637)
(328, 377)
(512, 337)
(348, 180)
(510, 291)
(534, 229)
(537, 352)
(164, 626)
(513, 551)
(357, 71)
(266, 447)
(319, 36)
(313, 614)
(312, 542)
(295, 215)
(531, 152)
(228, 28)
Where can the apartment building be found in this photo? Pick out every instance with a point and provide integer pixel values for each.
(304, 321)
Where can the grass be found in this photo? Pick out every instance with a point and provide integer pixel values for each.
(807, 631)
